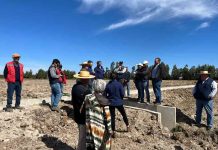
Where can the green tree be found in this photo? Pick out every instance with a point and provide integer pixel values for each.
(28, 74)
(185, 73)
(193, 73)
(41, 74)
(175, 73)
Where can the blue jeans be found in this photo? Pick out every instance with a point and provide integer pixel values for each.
(157, 89)
(55, 94)
(127, 88)
(17, 87)
(146, 87)
(208, 106)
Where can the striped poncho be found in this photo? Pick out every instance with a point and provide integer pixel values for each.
(98, 124)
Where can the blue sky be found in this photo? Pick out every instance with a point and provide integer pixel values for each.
(180, 32)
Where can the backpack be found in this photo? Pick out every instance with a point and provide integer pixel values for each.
(102, 100)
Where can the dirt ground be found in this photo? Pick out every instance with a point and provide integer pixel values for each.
(41, 88)
(36, 127)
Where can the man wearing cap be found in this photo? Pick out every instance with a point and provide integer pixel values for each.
(55, 84)
(79, 91)
(137, 79)
(145, 75)
(204, 92)
(14, 75)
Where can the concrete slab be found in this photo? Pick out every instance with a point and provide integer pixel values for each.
(157, 114)
(168, 116)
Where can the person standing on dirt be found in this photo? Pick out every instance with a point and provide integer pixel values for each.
(115, 93)
(204, 92)
(14, 75)
(98, 118)
(54, 84)
(79, 92)
(137, 79)
(158, 72)
(145, 79)
(127, 77)
(99, 71)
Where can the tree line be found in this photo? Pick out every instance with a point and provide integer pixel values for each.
(42, 74)
(184, 73)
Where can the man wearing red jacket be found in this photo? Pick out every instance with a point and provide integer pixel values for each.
(14, 75)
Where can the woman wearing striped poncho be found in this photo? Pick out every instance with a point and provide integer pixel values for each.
(98, 120)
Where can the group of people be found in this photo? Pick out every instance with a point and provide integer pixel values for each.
(143, 74)
(94, 100)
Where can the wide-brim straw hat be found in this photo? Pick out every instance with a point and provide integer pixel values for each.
(204, 72)
(16, 55)
(84, 75)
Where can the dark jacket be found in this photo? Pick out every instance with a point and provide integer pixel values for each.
(127, 77)
(143, 74)
(52, 75)
(79, 91)
(99, 72)
(114, 92)
(203, 90)
(161, 72)
(90, 71)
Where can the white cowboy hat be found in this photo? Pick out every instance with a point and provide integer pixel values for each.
(84, 75)
(204, 72)
(140, 64)
(145, 62)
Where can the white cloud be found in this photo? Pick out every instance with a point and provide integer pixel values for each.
(203, 25)
(141, 11)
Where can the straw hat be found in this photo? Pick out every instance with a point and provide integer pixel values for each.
(16, 55)
(203, 72)
(84, 75)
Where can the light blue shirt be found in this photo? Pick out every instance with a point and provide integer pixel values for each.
(154, 72)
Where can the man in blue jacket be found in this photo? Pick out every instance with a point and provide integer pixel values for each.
(204, 92)
(99, 71)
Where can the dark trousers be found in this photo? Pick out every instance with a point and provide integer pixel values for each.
(141, 93)
(113, 115)
(137, 87)
(17, 87)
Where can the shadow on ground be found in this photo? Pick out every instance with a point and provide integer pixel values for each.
(183, 118)
(53, 142)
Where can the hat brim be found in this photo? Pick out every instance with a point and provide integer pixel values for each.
(79, 77)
